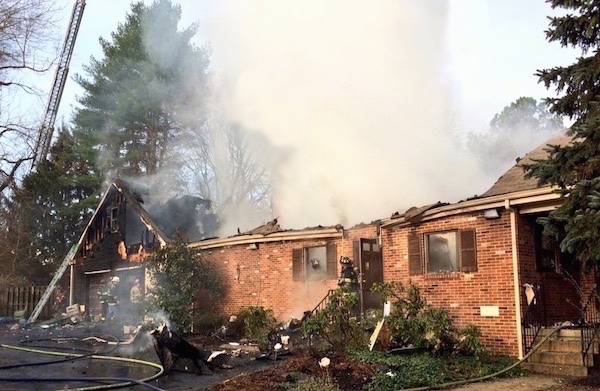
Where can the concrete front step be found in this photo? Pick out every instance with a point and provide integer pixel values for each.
(561, 354)
(559, 358)
(558, 370)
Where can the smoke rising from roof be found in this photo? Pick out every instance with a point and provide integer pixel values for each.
(357, 92)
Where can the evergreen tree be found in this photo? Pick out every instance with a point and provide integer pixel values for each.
(136, 97)
(575, 168)
(52, 206)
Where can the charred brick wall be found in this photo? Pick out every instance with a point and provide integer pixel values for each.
(469, 297)
(263, 276)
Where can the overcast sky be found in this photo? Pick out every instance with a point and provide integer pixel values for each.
(380, 89)
(494, 47)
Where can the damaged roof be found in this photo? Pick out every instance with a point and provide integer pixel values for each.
(514, 179)
(191, 216)
(512, 184)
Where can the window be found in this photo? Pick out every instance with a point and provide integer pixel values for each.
(445, 252)
(314, 263)
(442, 252)
(546, 251)
(114, 219)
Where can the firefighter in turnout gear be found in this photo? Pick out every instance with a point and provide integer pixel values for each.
(103, 295)
(349, 280)
(348, 277)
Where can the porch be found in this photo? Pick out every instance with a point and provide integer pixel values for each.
(568, 348)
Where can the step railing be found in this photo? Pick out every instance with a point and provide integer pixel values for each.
(589, 322)
(534, 317)
(323, 303)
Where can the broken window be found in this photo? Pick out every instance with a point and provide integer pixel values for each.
(445, 252)
(314, 263)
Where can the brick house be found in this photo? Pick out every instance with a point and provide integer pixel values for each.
(472, 258)
(291, 271)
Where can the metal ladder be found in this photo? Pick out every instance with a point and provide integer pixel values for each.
(57, 276)
(45, 134)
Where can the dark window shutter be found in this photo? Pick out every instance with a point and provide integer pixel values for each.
(331, 261)
(415, 264)
(356, 252)
(298, 264)
(468, 251)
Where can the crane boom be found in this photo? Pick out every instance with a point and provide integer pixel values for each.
(42, 145)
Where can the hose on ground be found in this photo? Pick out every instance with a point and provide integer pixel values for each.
(492, 375)
(123, 382)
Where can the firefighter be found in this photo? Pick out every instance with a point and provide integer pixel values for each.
(103, 295)
(349, 280)
(113, 297)
(348, 277)
(135, 297)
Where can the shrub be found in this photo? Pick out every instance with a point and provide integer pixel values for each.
(469, 341)
(260, 324)
(336, 324)
(413, 322)
(178, 277)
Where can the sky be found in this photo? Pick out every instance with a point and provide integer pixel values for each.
(370, 98)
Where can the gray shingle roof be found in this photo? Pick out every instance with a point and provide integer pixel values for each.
(514, 180)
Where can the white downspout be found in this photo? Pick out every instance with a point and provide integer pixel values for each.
(515, 264)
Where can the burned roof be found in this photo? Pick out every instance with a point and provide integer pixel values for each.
(187, 215)
(514, 179)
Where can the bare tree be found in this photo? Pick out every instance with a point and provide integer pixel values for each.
(27, 50)
(232, 167)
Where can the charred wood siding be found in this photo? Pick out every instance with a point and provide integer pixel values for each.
(105, 254)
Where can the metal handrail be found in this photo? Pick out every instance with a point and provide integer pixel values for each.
(589, 322)
(323, 303)
(534, 318)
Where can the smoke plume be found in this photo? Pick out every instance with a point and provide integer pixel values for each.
(356, 92)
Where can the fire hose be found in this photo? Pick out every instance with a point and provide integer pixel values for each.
(122, 382)
(492, 375)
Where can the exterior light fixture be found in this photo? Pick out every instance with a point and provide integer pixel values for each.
(490, 214)
(253, 246)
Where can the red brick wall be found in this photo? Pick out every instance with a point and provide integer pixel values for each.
(265, 274)
(463, 294)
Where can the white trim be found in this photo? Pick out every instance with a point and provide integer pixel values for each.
(515, 264)
(542, 195)
(97, 272)
(128, 268)
(275, 237)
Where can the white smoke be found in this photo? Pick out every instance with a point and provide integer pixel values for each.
(359, 94)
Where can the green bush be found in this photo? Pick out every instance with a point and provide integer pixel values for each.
(180, 277)
(469, 341)
(259, 324)
(413, 322)
(429, 370)
(337, 324)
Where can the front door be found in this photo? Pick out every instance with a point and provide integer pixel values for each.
(371, 271)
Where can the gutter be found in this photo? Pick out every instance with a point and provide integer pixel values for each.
(545, 194)
(274, 237)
